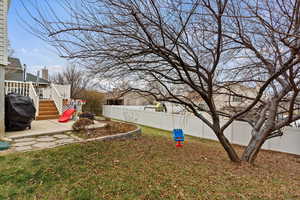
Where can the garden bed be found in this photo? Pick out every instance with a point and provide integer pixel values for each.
(111, 128)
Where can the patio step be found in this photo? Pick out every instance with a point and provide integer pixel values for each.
(45, 117)
(47, 110)
(46, 104)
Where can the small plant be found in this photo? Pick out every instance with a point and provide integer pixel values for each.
(107, 126)
(87, 115)
(107, 119)
(82, 124)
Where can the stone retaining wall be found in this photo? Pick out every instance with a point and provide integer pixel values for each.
(135, 133)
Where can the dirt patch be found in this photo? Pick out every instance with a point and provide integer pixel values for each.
(111, 128)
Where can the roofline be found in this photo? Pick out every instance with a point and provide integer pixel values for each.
(40, 83)
(13, 68)
(48, 82)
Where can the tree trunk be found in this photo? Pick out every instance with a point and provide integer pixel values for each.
(252, 149)
(228, 148)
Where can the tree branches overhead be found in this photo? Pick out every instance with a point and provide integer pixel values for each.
(182, 50)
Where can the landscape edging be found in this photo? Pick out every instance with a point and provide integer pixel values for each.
(130, 134)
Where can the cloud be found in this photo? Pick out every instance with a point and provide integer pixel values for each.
(22, 50)
(35, 50)
(29, 52)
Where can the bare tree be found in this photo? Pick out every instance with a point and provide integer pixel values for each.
(73, 76)
(58, 78)
(268, 34)
(171, 48)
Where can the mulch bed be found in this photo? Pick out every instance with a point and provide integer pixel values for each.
(111, 128)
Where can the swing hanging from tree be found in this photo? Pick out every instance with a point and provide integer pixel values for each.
(178, 134)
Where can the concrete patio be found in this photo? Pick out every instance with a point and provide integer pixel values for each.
(50, 133)
(46, 127)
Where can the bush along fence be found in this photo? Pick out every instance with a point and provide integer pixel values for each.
(238, 132)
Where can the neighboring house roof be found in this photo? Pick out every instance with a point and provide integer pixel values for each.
(18, 76)
(14, 64)
(14, 75)
(15, 72)
(33, 78)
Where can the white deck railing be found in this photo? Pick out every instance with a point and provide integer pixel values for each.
(57, 98)
(33, 95)
(63, 90)
(18, 87)
(54, 92)
(24, 89)
(45, 93)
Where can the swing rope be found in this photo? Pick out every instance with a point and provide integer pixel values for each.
(178, 134)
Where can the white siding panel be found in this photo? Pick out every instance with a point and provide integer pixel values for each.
(3, 31)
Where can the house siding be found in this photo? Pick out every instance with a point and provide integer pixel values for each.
(3, 59)
(3, 31)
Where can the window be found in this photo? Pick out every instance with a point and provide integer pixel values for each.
(236, 99)
(203, 106)
(297, 108)
(115, 102)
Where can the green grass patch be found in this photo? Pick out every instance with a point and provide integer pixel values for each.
(148, 167)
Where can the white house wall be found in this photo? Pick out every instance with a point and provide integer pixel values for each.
(3, 32)
(3, 58)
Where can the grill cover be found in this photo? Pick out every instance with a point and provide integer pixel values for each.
(19, 112)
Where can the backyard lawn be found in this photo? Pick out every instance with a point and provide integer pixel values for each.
(148, 167)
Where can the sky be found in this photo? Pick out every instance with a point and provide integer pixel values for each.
(31, 50)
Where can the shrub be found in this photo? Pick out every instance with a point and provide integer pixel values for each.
(107, 119)
(94, 101)
(87, 115)
(82, 124)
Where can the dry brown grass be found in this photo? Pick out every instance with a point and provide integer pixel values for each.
(148, 167)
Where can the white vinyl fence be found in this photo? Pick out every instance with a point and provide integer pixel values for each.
(237, 132)
(170, 108)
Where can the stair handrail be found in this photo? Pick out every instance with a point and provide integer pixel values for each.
(33, 95)
(57, 98)
(64, 90)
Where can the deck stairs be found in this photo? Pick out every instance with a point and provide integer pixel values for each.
(47, 110)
